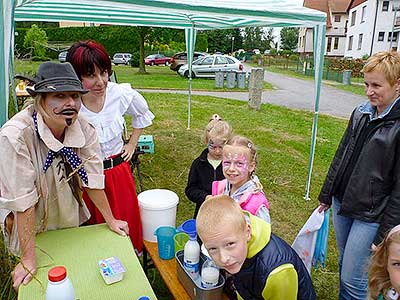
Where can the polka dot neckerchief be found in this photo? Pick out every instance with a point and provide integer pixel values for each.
(72, 158)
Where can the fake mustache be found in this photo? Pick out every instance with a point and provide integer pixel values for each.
(67, 112)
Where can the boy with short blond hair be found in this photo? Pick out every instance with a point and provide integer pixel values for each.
(263, 265)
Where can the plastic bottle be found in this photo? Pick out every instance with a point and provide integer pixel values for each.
(209, 274)
(59, 286)
(191, 256)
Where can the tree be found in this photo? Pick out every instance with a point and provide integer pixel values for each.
(36, 40)
(143, 33)
(289, 37)
(253, 37)
(221, 40)
(268, 39)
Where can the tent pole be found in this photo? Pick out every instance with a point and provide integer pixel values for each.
(189, 98)
(190, 39)
(319, 50)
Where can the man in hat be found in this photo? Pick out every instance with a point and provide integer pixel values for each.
(49, 154)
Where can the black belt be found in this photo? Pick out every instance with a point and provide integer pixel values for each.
(112, 162)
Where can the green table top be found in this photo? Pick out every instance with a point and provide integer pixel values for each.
(79, 250)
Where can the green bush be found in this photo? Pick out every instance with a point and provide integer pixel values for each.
(135, 58)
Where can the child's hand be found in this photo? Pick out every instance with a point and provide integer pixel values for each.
(323, 207)
(373, 248)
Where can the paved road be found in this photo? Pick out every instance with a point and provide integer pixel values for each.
(292, 93)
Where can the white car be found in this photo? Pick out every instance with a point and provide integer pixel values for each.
(121, 58)
(206, 66)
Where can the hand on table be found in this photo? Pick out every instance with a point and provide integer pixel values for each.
(323, 207)
(23, 272)
(119, 226)
(127, 151)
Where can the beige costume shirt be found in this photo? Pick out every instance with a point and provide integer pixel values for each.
(24, 184)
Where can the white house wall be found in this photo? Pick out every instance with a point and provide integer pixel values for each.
(305, 41)
(370, 42)
(336, 31)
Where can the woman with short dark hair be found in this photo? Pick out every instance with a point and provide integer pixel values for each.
(104, 106)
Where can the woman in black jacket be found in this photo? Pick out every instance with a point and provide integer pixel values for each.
(363, 182)
(207, 167)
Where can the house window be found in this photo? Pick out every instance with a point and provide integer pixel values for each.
(381, 36)
(363, 12)
(385, 6)
(350, 43)
(353, 18)
(329, 44)
(360, 38)
(394, 37)
(336, 43)
(337, 18)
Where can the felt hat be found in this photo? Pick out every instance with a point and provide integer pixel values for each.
(55, 77)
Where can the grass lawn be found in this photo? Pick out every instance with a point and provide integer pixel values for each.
(282, 137)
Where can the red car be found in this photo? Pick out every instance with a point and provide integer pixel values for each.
(157, 59)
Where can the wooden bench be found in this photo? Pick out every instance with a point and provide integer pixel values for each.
(167, 270)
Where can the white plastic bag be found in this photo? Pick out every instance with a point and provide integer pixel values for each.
(304, 244)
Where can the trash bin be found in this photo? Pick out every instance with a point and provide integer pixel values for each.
(346, 77)
(241, 79)
(219, 79)
(230, 79)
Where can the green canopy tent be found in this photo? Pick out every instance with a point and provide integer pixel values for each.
(191, 15)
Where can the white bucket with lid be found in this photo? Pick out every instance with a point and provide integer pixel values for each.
(157, 208)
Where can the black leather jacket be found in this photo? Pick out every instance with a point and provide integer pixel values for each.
(200, 179)
(373, 190)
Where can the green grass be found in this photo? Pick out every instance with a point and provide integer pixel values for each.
(282, 137)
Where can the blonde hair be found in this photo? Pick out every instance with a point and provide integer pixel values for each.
(217, 212)
(217, 129)
(242, 141)
(386, 62)
(378, 276)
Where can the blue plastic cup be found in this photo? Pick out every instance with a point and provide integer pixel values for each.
(165, 242)
(188, 227)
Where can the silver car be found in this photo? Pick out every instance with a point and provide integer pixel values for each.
(121, 58)
(207, 66)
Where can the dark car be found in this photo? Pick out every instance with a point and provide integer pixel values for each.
(157, 59)
(179, 59)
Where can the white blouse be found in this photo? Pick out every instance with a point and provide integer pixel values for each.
(120, 99)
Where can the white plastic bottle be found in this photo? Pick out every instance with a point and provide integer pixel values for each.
(209, 274)
(59, 286)
(191, 257)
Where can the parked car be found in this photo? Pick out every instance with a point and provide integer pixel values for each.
(180, 58)
(207, 66)
(121, 58)
(157, 59)
(62, 57)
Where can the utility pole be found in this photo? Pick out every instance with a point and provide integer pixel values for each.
(233, 39)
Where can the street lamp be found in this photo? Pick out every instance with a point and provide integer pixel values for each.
(233, 39)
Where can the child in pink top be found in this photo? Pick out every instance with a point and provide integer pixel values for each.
(239, 164)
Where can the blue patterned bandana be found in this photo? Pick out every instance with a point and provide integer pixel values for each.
(72, 158)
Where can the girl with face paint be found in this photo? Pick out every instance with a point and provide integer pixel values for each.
(384, 271)
(239, 164)
(207, 167)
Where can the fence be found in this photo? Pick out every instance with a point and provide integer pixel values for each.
(301, 65)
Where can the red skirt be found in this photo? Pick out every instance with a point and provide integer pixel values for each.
(121, 194)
